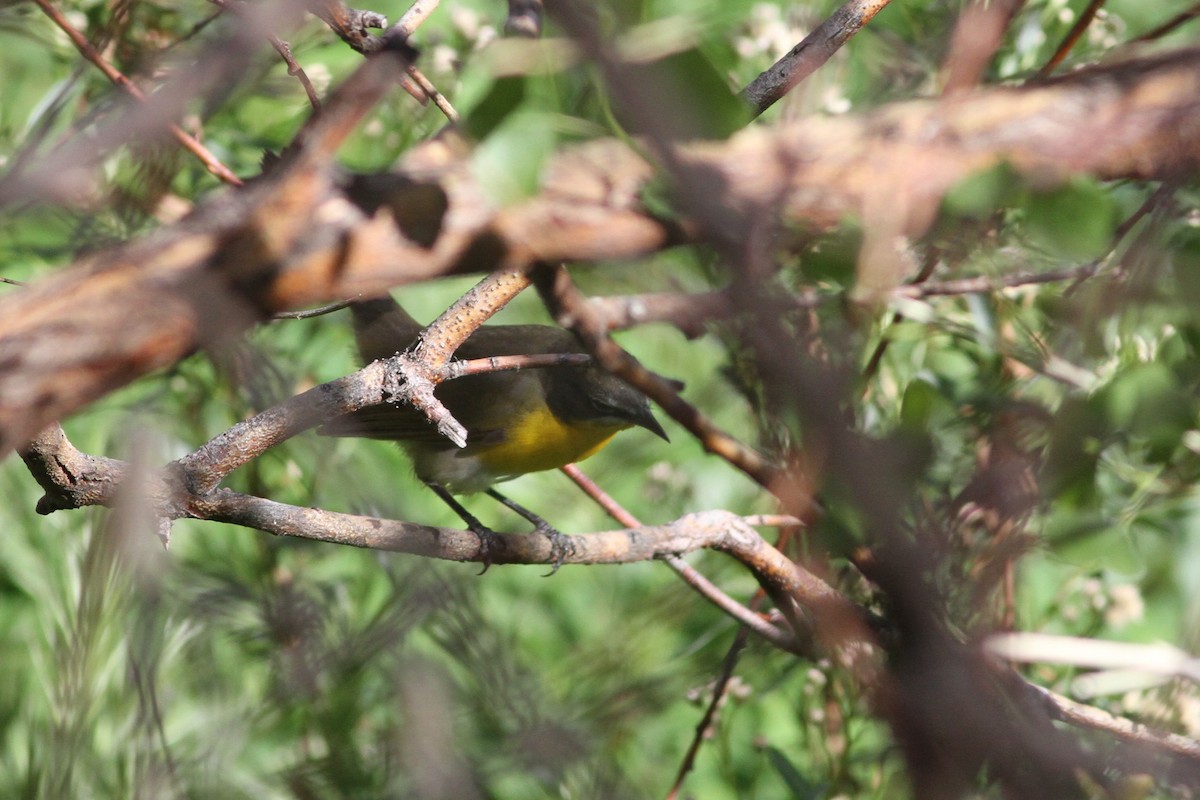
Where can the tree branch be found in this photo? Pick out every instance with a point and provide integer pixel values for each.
(72, 479)
(814, 50)
(570, 308)
(299, 238)
(689, 574)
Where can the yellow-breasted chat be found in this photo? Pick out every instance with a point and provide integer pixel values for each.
(517, 421)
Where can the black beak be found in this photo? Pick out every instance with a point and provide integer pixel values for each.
(646, 420)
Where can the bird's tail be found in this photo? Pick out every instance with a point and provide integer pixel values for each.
(382, 328)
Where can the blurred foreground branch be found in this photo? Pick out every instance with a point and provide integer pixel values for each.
(303, 236)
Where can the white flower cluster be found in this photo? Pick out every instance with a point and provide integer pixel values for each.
(1119, 603)
(767, 32)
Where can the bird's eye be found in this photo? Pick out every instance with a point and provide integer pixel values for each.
(606, 409)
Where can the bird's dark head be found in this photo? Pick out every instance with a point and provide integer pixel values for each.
(591, 395)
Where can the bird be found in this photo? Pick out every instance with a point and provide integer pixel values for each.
(517, 421)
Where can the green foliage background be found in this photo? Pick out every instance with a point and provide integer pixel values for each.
(239, 665)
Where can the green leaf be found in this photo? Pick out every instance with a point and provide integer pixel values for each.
(1091, 542)
(955, 369)
(1075, 445)
(1076, 221)
(833, 258)
(798, 785)
(918, 404)
(978, 195)
(501, 100)
(690, 97)
(1146, 401)
(657, 197)
(508, 165)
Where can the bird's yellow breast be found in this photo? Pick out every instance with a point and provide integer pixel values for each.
(539, 440)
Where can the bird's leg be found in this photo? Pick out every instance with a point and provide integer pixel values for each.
(488, 542)
(561, 545)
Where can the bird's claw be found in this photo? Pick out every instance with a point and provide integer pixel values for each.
(562, 547)
(489, 545)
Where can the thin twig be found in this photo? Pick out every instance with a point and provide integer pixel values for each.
(295, 70)
(1158, 199)
(1170, 25)
(728, 664)
(285, 52)
(412, 19)
(805, 58)
(189, 142)
(982, 284)
(690, 575)
(431, 92)
(602, 498)
(750, 620)
(479, 366)
(310, 313)
(1091, 717)
(569, 306)
(1071, 39)
(773, 521)
(406, 26)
